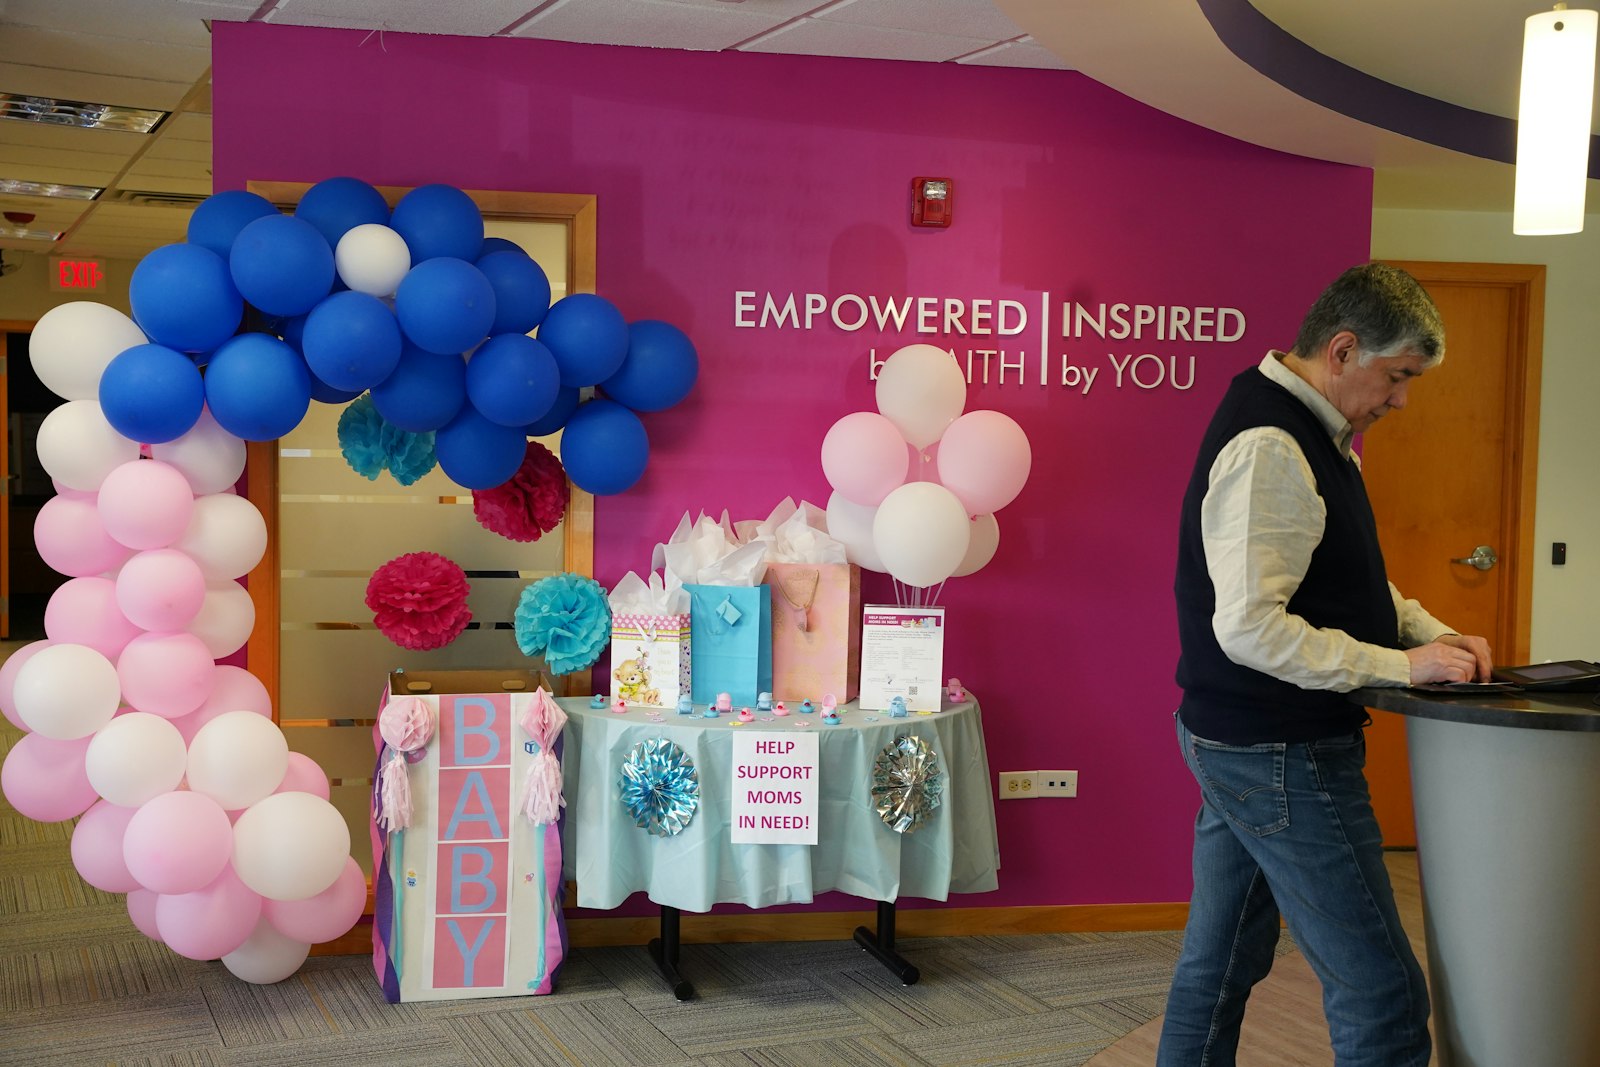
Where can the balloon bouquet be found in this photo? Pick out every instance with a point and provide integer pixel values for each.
(224, 841)
(916, 484)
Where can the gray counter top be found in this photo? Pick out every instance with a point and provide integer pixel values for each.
(1520, 709)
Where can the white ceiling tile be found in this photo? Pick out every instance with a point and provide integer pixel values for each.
(90, 87)
(48, 213)
(479, 18)
(70, 138)
(27, 170)
(819, 37)
(186, 126)
(1018, 54)
(174, 148)
(956, 18)
(107, 163)
(149, 61)
(654, 23)
(170, 22)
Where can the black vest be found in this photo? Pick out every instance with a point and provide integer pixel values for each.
(1345, 586)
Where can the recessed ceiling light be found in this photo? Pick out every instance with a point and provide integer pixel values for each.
(16, 187)
(22, 233)
(77, 113)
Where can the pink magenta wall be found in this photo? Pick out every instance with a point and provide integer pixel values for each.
(721, 172)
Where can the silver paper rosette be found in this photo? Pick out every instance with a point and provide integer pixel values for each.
(660, 787)
(906, 783)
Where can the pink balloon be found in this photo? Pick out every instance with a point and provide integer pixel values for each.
(97, 848)
(166, 674)
(304, 776)
(142, 910)
(232, 689)
(325, 916)
(145, 504)
(984, 459)
(72, 539)
(211, 922)
(178, 843)
(160, 589)
(45, 779)
(84, 611)
(8, 680)
(864, 457)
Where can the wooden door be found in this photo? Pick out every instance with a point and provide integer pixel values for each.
(1453, 471)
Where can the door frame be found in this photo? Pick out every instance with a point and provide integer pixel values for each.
(7, 328)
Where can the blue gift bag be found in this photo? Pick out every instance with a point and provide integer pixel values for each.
(731, 632)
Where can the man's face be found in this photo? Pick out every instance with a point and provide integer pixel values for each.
(1364, 395)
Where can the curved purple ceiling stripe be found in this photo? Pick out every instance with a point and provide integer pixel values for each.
(1276, 54)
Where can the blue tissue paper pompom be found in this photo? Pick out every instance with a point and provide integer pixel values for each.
(604, 447)
(258, 387)
(184, 297)
(424, 392)
(512, 380)
(218, 219)
(337, 205)
(282, 265)
(370, 445)
(588, 337)
(151, 394)
(566, 618)
(445, 305)
(659, 370)
(439, 220)
(561, 410)
(411, 455)
(476, 453)
(521, 291)
(351, 341)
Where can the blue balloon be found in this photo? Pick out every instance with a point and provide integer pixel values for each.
(604, 447)
(561, 410)
(151, 394)
(491, 245)
(424, 392)
(521, 291)
(476, 453)
(351, 341)
(323, 393)
(183, 297)
(282, 265)
(445, 305)
(337, 205)
(439, 220)
(219, 218)
(258, 387)
(292, 329)
(660, 368)
(512, 380)
(588, 337)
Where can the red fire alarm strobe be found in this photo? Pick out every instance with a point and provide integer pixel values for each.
(932, 201)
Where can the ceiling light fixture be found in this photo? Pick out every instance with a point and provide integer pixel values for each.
(55, 112)
(17, 187)
(22, 233)
(1553, 121)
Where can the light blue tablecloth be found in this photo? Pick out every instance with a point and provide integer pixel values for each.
(955, 850)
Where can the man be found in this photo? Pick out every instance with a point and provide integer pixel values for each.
(1284, 607)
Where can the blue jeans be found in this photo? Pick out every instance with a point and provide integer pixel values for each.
(1288, 828)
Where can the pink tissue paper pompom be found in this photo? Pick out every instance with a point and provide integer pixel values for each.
(419, 600)
(530, 503)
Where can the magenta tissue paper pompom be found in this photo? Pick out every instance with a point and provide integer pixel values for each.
(528, 505)
(419, 600)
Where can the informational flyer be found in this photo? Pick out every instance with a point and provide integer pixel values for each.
(902, 655)
(774, 788)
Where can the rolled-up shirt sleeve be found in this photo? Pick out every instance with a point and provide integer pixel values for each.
(1260, 522)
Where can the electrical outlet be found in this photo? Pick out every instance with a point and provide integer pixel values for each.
(1055, 783)
(1015, 785)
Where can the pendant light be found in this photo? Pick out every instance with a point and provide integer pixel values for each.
(1553, 121)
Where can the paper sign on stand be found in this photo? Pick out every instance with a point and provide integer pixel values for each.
(902, 655)
(775, 788)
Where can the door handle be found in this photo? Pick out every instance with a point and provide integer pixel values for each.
(1482, 557)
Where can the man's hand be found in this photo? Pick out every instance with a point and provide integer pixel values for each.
(1451, 658)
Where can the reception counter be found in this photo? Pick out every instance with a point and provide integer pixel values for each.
(1507, 794)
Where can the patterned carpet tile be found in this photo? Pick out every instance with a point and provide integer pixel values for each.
(774, 1013)
(195, 1058)
(132, 1028)
(248, 1014)
(81, 970)
(1085, 973)
(598, 1032)
(869, 1051)
(1051, 1039)
(952, 990)
(416, 1046)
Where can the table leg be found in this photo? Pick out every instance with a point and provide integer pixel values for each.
(664, 950)
(881, 944)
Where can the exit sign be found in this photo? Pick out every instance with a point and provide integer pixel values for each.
(77, 275)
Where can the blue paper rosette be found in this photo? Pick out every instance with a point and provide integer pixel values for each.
(371, 445)
(660, 787)
(567, 619)
(907, 784)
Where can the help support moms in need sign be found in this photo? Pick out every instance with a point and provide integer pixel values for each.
(775, 788)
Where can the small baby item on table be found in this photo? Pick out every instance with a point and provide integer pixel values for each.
(406, 725)
(746, 715)
(954, 691)
(764, 702)
(597, 701)
(686, 705)
(779, 709)
(897, 707)
(724, 703)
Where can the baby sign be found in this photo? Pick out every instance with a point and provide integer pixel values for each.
(775, 788)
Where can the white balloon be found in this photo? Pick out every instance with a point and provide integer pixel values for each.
(984, 542)
(211, 458)
(227, 535)
(266, 956)
(236, 759)
(78, 448)
(921, 390)
(134, 758)
(66, 692)
(227, 615)
(850, 524)
(71, 344)
(290, 846)
(921, 533)
(372, 258)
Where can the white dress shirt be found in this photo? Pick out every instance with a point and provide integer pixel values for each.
(1260, 521)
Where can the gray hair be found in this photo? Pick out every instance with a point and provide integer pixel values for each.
(1387, 309)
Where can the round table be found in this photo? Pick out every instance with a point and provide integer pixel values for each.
(1506, 787)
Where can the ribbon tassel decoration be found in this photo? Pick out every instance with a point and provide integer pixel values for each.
(542, 720)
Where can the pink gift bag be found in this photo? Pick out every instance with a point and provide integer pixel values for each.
(816, 630)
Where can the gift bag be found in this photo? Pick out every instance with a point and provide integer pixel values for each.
(466, 836)
(816, 630)
(650, 642)
(731, 632)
